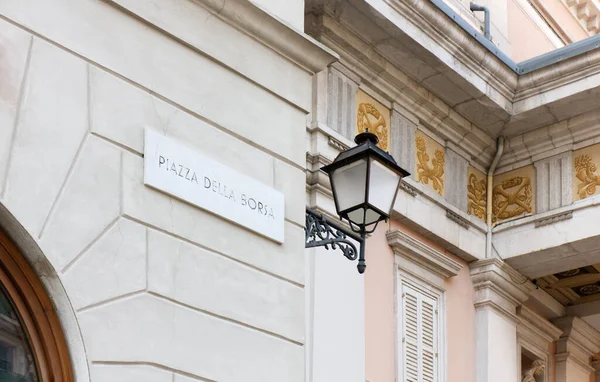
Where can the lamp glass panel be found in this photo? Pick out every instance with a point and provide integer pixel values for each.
(358, 216)
(349, 183)
(383, 185)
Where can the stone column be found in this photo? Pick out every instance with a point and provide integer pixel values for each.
(499, 290)
(575, 348)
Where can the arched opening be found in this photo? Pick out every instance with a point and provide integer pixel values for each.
(32, 344)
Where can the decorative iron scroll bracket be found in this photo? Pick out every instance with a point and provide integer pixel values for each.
(322, 232)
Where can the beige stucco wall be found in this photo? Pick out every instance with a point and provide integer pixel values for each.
(380, 318)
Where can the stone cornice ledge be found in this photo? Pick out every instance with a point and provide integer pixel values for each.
(579, 340)
(536, 328)
(499, 286)
(255, 21)
(271, 31)
(434, 261)
(456, 40)
(591, 202)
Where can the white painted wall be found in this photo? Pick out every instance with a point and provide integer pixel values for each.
(337, 337)
(496, 346)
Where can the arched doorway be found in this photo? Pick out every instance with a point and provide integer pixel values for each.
(32, 345)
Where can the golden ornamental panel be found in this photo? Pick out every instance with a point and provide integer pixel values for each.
(373, 116)
(586, 177)
(430, 162)
(476, 193)
(513, 194)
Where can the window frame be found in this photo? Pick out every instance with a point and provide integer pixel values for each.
(432, 291)
(37, 314)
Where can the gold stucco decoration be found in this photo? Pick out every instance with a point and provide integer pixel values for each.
(425, 174)
(369, 117)
(476, 192)
(585, 172)
(512, 197)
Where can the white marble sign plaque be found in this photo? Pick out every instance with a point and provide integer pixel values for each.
(173, 168)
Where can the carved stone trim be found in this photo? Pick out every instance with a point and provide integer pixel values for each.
(457, 218)
(408, 188)
(536, 329)
(426, 257)
(499, 286)
(553, 219)
(579, 341)
(586, 13)
(585, 171)
(425, 173)
(338, 145)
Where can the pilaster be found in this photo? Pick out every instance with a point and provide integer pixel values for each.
(403, 139)
(554, 179)
(575, 348)
(499, 290)
(456, 179)
(341, 103)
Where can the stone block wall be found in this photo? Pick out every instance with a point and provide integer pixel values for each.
(162, 291)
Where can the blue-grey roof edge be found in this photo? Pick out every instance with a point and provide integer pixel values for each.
(527, 66)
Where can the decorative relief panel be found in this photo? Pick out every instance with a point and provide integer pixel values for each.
(513, 194)
(429, 166)
(586, 179)
(476, 193)
(374, 116)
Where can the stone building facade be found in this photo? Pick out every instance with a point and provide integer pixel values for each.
(487, 271)
(148, 287)
(459, 286)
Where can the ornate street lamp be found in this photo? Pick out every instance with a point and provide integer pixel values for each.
(364, 180)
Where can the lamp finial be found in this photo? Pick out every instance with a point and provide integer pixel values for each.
(367, 136)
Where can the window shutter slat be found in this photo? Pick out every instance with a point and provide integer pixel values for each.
(410, 308)
(419, 336)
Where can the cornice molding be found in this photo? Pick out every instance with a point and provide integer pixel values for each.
(497, 285)
(536, 329)
(586, 13)
(362, 61)
(579, 340)
(427, 17)
(369, 64)
(294, 44)
(421, 254)
(271, 31)
(515, 88)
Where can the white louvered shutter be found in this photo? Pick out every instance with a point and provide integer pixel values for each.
(419, 336)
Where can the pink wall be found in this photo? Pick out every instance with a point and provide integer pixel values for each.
(567, 22)
(379, 309)
(380, 320)
(460, 326)
(526, 39)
